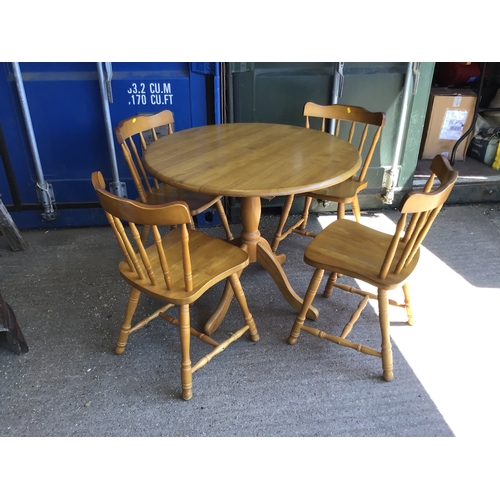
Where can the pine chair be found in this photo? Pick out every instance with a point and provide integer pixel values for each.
(176, 270)
(347, 191)
(382, 260)
(150, 190)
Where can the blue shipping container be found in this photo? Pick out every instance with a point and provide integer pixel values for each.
(69, 127)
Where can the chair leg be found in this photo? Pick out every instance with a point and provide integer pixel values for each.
(305, 212)
(223, 219)
(355, 209)
(330, 284)
(309, 297)
(242, 301)
(409, 311)
(185, 336)
(145, 233)
(133, 300)
(284, 217)
(340, 210)
(383, 305)
(332, 279)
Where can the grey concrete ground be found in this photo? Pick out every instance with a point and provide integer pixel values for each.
(69, 301)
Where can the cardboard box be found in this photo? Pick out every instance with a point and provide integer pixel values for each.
(449, 116)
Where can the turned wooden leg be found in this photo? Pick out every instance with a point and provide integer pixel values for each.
(284, 217)
(332, 279)
(309, 297)
(250, 218)
(355, 209)
(250, 236)
(133, 300)
(340, 210)
(242, 301)
(409, 311)
(185, 335)
(223, 219)
(383, 305)
(305, 212)
(330, 284)
(145, 233)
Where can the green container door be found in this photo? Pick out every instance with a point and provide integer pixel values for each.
(277, 92)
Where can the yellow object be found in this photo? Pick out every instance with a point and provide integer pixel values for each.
(496, 163)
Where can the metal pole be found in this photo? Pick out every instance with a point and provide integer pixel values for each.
(116, 187)
(391, 176)
(44, 190)
(338, 85)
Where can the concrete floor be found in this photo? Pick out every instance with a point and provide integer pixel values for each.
(69, 301)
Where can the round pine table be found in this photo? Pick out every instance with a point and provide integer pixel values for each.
(250, 161)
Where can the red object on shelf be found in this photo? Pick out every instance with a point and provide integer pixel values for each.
(458, 73)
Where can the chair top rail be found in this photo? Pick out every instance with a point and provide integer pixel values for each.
(141, 123)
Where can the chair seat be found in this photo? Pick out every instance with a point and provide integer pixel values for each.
(212, 260)
(344, 192)
(350, 248)
(197, 202)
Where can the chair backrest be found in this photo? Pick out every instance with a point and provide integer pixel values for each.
(353, 115)
(120, 212)
(423, 207)
(130, 134)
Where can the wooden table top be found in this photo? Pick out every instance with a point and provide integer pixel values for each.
(251, 159)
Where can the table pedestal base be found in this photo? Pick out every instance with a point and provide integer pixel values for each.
(258, 250)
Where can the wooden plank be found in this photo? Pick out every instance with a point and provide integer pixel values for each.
(9, 229)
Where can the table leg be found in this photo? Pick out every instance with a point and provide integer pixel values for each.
(258, 250)
(267, 259)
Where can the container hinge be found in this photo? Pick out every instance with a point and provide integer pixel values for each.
(45, 194)
(340, 76)
(416, 76)
(118, 189)
(109, 76)
(389, 183)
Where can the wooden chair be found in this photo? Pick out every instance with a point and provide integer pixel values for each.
(176, 270)
(382, 260)
(347, 191)
(150, 190)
